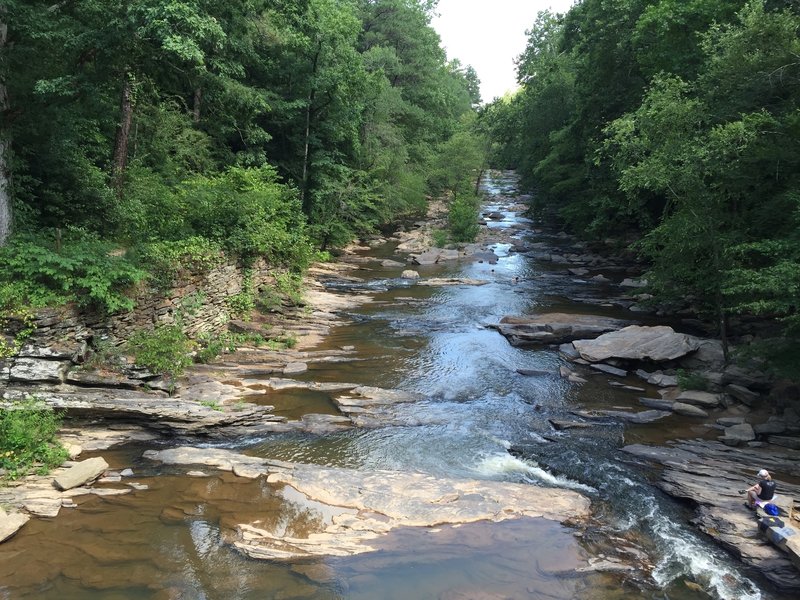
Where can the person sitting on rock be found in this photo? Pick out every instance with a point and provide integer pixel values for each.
(762, 492)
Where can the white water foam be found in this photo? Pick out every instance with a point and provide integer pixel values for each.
(503, 464)
(684, 557)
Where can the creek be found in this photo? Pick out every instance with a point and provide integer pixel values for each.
(479, 419)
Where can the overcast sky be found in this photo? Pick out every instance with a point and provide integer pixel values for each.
(489, 35)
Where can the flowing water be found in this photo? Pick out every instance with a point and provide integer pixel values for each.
(479, 419)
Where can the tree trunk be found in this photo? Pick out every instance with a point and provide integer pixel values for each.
(5, 146)
(198, 96)
(123, 133)
(304, 199)
(478, 181)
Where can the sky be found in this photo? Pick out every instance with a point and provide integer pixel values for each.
(489, 35)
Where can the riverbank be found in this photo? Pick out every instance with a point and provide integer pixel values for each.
(334, 389)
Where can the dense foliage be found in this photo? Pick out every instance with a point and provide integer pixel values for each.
(675, 123)
(163, 130)
(28, 438)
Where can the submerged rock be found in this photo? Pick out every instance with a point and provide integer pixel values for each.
(352, 507)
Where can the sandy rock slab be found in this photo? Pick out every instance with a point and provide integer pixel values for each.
(554, 328)
(350, 508)
(710, 475)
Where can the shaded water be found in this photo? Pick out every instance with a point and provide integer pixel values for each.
(169, 541)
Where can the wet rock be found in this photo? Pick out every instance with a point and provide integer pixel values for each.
(533, 372)
(636, 342)
(699, 398)
(554, 328)
(563, 424)
(38, 370)
(688, 410)
(446, 281)
(708, 355)
(409, 274)
(735, 435)
(11, 523)
(389, 264)
(484, 256)
(578, 271)
(640, 417)
(365, 505)
(81, 473)
(568, 350)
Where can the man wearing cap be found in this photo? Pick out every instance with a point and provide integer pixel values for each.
(761, 492)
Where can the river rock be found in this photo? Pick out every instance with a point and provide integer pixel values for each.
(637, 342)
(774, 425)
(609, 369)
(699, 398)
(533, 372)
(38, 370)
(657, 403)
(482, 256)
(446, 281)
(728, 421)
(633, 283)
(563, 424)
(736, 375)
(344, 510)
(785, 441)
(80, 473)
(295, 368)
(736, 435)
(578, 271)
(658, 378)
(11, 523)
(409, 274)
(743, 395)
(389, 264)
(554, 328)
(688, 410)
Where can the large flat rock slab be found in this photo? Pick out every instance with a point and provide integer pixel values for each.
(710, 474)
(637, 342)
(356, 507)
(80, 473)
(555, 328)
(11, 524)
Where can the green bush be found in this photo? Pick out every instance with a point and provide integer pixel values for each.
(440, 238)
(165, 350)
(691, 381)
(28, 438)
(50, 271)
(463, 218)
(165, 260)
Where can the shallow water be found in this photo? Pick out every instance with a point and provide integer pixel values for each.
(169, 541)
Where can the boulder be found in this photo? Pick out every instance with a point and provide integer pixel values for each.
(554, 328)
(637, 342)
(409, 274)
(11, 523)
(429, 257)
(709, 355)
(80, 473)
(728, 421)
(533, 372)
(38, 370)
(736, 435)
(698, 398)
(578, 271)
(736, 375)
(772, 426)
(688, 410)
(743, 395)
(486, 256)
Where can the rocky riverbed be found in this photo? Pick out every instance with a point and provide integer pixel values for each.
(615, 344)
